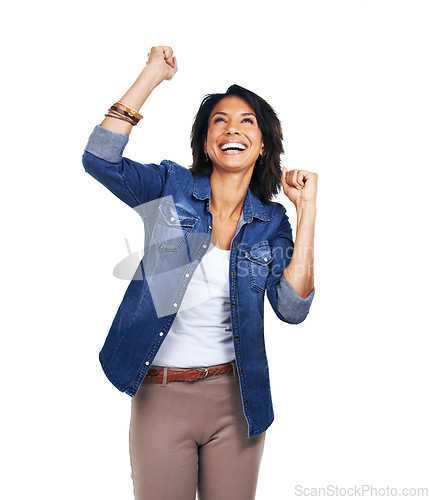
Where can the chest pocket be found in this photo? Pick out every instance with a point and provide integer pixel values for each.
(258, 258)
(172, 226)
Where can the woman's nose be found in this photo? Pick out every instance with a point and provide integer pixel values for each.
(233, 130)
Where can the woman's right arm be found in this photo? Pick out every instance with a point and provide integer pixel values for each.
(134, 183)
(161, 65)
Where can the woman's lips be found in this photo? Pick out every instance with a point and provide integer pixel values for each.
(232, 147)
(233, 152)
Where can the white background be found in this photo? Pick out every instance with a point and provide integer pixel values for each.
(349, 81)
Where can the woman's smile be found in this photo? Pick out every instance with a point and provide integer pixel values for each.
(232, 146)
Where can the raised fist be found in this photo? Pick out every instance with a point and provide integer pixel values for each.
(161, 58)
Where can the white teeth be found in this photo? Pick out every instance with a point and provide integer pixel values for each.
(235, 145)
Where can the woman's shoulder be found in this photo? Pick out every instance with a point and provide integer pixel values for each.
(176, 167)
(182, 175)
(275, 210)
(272, 208)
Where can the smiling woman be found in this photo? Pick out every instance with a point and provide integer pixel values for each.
(187, 342)
(254, 118)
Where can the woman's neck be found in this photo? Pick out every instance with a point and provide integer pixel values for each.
(228, 192)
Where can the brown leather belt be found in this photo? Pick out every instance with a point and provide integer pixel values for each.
(156, 375)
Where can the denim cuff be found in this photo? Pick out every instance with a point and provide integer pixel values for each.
(291, 306)
(106, 144)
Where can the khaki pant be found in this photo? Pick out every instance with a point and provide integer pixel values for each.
(192, 436)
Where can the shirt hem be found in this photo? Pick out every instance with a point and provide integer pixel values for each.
(121, 388)
(256, 432)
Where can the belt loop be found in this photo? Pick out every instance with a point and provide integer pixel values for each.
(164, 378)
(234, 369)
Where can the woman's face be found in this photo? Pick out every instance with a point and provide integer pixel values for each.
(234, 140)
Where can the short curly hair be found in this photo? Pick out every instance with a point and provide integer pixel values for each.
(265, 182)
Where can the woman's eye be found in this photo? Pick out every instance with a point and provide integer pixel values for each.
(221, 119)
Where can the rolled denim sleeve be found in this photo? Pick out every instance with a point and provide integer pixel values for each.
(286, 303)
(106, 145)
(132, 182)
(291, 306)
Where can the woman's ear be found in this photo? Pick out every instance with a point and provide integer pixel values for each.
(261, 152)
(205, 146)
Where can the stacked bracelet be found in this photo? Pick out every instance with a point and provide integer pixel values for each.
(119, 111)
(123, 112)
(128, 110)
(118, 117)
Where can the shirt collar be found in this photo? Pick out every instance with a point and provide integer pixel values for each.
(252, 207)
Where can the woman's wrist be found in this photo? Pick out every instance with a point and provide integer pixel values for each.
(146, 82)
(306, 212)
(152, 75)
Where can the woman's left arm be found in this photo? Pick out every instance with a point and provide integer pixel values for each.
(300, 186)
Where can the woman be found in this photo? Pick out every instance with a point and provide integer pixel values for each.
(187, 342)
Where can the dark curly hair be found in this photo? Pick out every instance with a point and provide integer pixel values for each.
(265, 182)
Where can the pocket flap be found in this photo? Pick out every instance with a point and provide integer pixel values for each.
(176, 216)
(260, 253)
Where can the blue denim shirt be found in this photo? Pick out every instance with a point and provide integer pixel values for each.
(175, 209)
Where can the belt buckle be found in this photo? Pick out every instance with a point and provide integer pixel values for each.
(207, 372)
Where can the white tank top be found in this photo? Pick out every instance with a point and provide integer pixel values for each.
(201, 333)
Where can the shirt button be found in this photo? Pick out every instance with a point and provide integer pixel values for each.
(265, 259)
(210, 227)
(175, 304)
(235, 244)
(161, 334)
(187, 275)
(172, 218)
(241, 370)
(236, 337)
(233, 304)
(245, 401)
(147, 363)
(234, 273)
(204, 246)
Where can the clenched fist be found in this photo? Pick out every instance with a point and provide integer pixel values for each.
(299, 185)
(161, 60)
